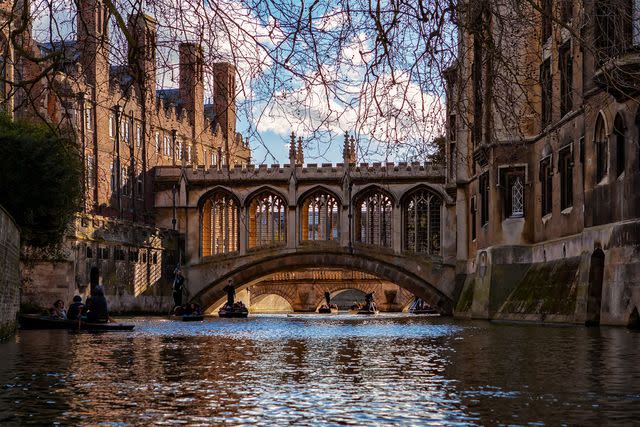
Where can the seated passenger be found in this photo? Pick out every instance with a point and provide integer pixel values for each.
(57, 311)
(178, 310)
(195, 309)
(75, 309)
(186, 310)
(97, 310)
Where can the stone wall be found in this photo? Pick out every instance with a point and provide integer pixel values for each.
(557, 281)
(135, 264)
(9, 274)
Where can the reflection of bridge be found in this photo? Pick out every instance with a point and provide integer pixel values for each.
(392, 221)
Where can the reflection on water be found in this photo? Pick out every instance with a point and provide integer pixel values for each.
(310, 370)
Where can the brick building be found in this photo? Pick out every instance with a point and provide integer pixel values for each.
(544, 159)
(125, 127)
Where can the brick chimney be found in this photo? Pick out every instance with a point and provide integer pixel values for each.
(93, 43)
(224, 98)
(142, 54)
(192, 84)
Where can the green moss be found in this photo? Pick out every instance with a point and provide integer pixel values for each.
(466, 297)
(547, 288)
(7, 330)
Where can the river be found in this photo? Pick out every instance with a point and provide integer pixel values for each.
(323, 370)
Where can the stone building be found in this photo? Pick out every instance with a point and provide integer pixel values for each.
(544, 159)
(125, 127)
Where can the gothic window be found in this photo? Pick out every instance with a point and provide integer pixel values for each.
(483, 184)
(546, 183)
(513, 191)
(124, 177)
(167, 145)
(601, 149)
(619, 133)
(179, 150)
(565, 169)
(566, 79)
(112, 126)
(138, 136)
(220, 219)
(88, 122)
(422, 222)
(267, 220)
(374, 216)
(613, 28)
(157, 141)
(91, 172)
(547, 92)
(320, 217)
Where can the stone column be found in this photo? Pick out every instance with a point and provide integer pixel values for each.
(397, 229)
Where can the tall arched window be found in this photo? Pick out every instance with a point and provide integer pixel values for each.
(601, 148)
(220, 219)
(619, 131)
(422, 222)
(374, 216)
(320, 217)
(267, 220)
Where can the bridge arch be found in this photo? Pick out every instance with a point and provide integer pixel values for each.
(432, 282)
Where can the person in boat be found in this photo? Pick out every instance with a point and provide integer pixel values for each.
(187, 310)
(369, 304)
(75, 309)
(178, 284)
(57, 311)
(96, 306)
(195, 309)
(231, 293)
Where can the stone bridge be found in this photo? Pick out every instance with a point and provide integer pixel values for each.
(304, 290)
(393, 221)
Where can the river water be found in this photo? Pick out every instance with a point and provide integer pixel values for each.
(330, 370)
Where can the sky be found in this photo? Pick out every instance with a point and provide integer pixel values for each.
(317, 83)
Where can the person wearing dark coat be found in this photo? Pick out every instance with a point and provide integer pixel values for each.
(178, 284)
(96, 307)
(76, 308)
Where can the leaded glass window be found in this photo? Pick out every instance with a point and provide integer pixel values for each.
(220, 219)
(422, 222)
(267, 220)
(320, 217)
(374, 215)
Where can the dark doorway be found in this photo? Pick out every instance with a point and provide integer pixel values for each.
(596, 275)
(634, 319)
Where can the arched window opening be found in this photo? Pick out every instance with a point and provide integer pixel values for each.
(374, 216)
(267, 220)
(320, 217)
(220, 219)
(422, 222)
(601, 147)
(619, 131)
